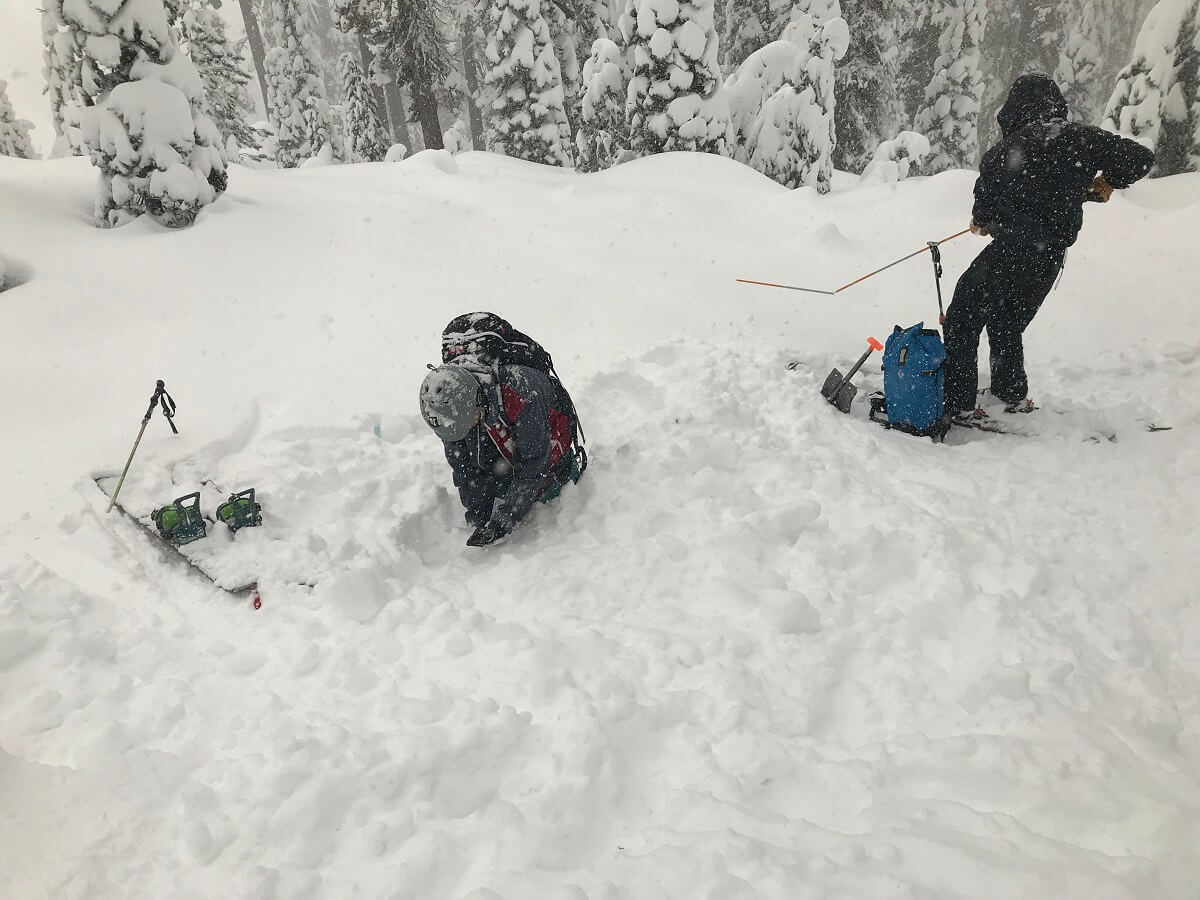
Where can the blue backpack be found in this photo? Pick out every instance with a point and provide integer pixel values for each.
(914, 393)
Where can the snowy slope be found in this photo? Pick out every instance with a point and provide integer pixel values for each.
(762, 650)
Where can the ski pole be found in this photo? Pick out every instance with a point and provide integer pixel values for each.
(160, 396)
(864, 277)
(937, 278)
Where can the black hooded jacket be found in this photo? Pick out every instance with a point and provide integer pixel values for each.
(1033, 183)
(500, 485)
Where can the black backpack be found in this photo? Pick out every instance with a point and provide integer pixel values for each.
(493, 341)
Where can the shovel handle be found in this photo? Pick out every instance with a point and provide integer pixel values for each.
(873, 345)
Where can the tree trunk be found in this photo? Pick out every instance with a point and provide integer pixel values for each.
(368, 62)
(257, 52)
(471, 73)
(426, 108)
(395, 105)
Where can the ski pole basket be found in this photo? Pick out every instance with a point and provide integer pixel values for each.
(240, 511)
(181, 522)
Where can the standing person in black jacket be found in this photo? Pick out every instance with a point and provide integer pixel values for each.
(1029, 198)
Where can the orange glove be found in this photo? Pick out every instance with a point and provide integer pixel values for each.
(1101, 189)
(981, 230)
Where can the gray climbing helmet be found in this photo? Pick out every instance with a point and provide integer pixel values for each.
(450, 397)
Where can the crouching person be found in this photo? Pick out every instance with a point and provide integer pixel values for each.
(506, 442)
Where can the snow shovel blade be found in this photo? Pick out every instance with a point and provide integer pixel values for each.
(838, 391)
(837, 388)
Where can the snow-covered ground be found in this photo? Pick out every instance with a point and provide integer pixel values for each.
(762, 650)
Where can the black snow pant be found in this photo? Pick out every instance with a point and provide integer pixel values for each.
(1002, 292)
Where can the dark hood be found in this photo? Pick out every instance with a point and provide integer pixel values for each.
(1033, 98)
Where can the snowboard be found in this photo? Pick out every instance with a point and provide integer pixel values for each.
(196, 558)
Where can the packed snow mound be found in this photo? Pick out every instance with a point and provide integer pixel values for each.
(437, 160)
(762, 649)
(689, 171)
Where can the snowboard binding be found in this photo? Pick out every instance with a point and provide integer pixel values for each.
(240, 511)
(181, 522)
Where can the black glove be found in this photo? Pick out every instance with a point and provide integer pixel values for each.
(486, 534)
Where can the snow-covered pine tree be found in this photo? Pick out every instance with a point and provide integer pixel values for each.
(526, 117)
(365, 137)
(896, 159)
(329, 42)
(1120, 22)
(325, 43)
(603, 19)
(1078, 69)
(603, 134)
(822, 11)
(359, 18)
(675, 99)
(296, 104)
(592, 20)
(221, 63)
(14, 132)
(828, 38)
(62, 56)
(756, 80)
(950, 117)
(1156, 97)
(779, 142)
(866, 84)
(782, 104)
(568, 21)
(1069, 40)
(410, 45)
(145, 121)
(1048, 34)
(465, 18)
(750, 25)
(1178, 148)
(917, 42)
